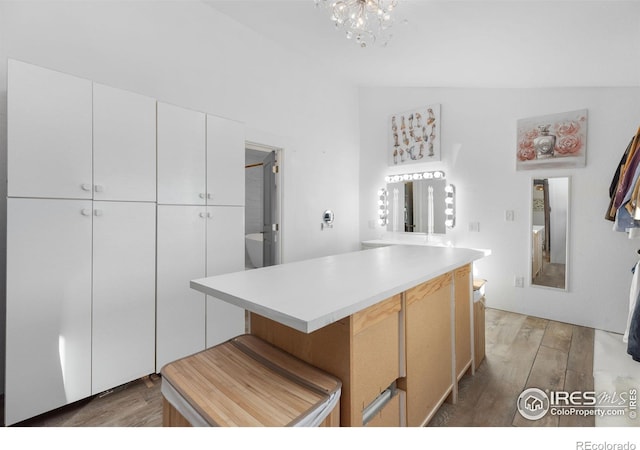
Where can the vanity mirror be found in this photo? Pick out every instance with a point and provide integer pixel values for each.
(418, 203)
(549, 231)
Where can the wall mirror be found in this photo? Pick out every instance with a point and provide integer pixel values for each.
(549, 232)
(417, 206)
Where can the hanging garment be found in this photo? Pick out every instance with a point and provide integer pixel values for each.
(633, 345)
(633, 298)
(624, 220)
(613, 187)
(626, 175)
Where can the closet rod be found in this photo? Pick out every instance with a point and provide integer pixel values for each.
(253, 165)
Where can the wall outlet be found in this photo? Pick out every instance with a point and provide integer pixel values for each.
(474, 226)
(518, 282)
(509, 215)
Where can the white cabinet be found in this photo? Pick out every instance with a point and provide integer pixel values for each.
(225, 254)
(49, 133)
(225, 162)
(80, 300)
(200, 158)
(48, 354)
(181, 156)
(71, 138)
(193, 242)
(181, 258)
(124, 145)
(123, 292)
(85, 162)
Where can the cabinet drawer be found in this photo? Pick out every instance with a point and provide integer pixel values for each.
(376, 350)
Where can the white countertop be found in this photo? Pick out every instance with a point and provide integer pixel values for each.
(308, 295)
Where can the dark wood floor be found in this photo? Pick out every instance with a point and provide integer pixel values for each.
(521, 352)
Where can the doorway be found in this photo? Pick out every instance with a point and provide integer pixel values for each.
(263, 188)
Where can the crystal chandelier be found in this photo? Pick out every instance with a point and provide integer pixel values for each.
(365, 21)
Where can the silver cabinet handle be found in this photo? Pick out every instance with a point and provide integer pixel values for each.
(209, 196)
(203, 215)
(98, 212)
(85, 186)
(99, 188)
(201, 195)
(209, 215)
(85, 212)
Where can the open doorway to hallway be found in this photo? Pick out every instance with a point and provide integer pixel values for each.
(263, 191)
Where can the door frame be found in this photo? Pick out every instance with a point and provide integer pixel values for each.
(250, 145)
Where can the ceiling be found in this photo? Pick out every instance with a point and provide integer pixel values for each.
(509, 43)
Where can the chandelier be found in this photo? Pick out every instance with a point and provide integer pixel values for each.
(365, 21)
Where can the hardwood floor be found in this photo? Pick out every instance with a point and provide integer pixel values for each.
(521, 352)
(136, 404)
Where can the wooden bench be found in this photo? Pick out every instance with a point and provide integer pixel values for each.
(248, 382)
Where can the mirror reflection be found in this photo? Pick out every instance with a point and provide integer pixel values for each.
(549, 232)
(417, 206)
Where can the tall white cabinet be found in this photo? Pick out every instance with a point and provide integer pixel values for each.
(81, 221)
(115, 202)
(200, 228)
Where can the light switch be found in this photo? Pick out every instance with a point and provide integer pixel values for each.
(474, 226)
(509, 215)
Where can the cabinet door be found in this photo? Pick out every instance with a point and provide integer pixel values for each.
(225, 254)
(124, 145)
(181, 156)
(463, 314)
(48, 353)
(49, 133)
(181, 257)
(428, 348)
(225, 162)
(376, 331)
(123, 293)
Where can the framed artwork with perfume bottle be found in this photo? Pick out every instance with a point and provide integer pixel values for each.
(552, 141)
(414, 136)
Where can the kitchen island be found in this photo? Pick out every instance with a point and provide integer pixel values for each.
(393, 323)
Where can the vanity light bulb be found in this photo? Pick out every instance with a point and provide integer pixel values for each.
(448, 223)
(407, 177)
(448, 211)
(448, 200)
(437, 174)
(417, 176)
(428, 175)
(449, 189)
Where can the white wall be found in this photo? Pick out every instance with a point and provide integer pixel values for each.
(478, 132)
(187, 54)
